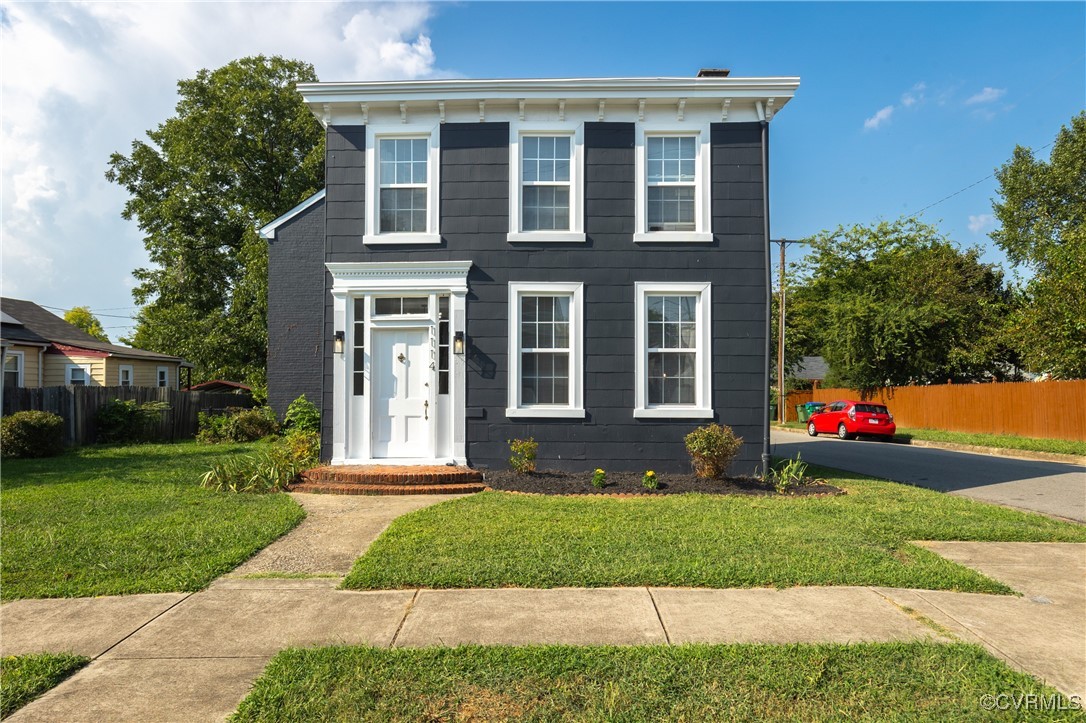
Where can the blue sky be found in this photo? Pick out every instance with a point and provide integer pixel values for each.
(854, 60)
(900, 104)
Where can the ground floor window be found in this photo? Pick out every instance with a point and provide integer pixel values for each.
(13, 369)
(673, 369)
(163, 376)
(125, 375)
(545, 348)
(78, 375)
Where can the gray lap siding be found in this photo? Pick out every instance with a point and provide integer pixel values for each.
(473, 223)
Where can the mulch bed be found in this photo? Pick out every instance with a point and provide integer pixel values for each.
(548, 482)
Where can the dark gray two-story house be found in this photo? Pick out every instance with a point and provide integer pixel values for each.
(581, 261)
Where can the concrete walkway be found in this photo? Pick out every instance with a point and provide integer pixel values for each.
(193, 657)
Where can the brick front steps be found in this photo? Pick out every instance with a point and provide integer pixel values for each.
(389, 480)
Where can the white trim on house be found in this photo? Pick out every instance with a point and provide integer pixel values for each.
(724, 100)
(20, 365)
(88, 380)
(703, 232)
(575, 408)
(351, 414)
(374, 135)
(703, 406)
(120, 375)
(575, 130)
(268, 231)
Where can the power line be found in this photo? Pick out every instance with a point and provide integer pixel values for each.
(112, 316)
(975, 183)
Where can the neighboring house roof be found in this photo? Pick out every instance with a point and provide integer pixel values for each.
(25, 322)
(269, 230)
(812, 367)
(220, 385)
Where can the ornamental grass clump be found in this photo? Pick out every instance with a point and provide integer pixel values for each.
(712, 449)
(789, 475)
(599, 478)
(649, 481)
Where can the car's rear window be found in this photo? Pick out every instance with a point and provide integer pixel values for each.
(871, 409)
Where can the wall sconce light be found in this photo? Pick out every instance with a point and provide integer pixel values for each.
(458, 342)
(337, 343)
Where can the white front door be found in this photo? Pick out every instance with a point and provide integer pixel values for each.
(402, 413)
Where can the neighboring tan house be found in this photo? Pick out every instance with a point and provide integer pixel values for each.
(42, 350)
(583, 261)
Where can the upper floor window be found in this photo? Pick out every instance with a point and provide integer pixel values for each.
(401, 185)
(670, 176)
(545, 184)
(672, 196)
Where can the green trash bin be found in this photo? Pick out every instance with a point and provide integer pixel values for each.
(802, 413)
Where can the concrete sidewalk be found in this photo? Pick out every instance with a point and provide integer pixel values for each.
(188, 657)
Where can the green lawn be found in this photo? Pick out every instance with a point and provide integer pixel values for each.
(132, 519)
(871, 681)
(25, 677)
(497, 539)
(999, 441)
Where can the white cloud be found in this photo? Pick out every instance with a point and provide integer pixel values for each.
(882, 116)
(987, 95)
(914, 95)
(981, 223)
(83, 80)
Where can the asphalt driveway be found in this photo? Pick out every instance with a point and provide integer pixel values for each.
(1053, 488)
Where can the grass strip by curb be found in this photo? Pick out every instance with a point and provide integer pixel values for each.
(26, 677)
(915, 681)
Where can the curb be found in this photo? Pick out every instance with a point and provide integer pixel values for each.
(976, 449)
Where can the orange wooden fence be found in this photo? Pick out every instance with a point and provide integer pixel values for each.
(1055, 410)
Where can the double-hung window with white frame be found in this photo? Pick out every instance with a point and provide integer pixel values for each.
(14, 365)
(124, 375)
(546, 369)
(672, 198)
(163, 376)
(78, 375)
(673, 364)
(546, 187)
(401, 185)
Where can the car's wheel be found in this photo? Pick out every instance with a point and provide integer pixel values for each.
(811, 429)
(842, 431)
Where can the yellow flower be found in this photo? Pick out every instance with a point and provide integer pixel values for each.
(650, 473)
(599, 471)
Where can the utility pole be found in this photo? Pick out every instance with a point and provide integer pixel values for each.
(781, 302)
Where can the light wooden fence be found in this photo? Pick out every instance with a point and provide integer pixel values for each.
(79, 407)
(1055, 410)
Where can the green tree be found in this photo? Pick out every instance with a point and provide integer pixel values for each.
(241, 149)
(1042, 212)
(82, 317)
(897, 303)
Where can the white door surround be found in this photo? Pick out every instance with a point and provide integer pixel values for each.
(386, 410)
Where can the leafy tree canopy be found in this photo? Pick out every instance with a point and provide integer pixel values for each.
(1042, 212)
(82, 317)
(898, 303)
(241, 150)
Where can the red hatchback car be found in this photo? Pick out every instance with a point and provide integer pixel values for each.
(848, 419)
